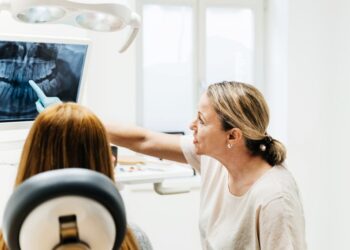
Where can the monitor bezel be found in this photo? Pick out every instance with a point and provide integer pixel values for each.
(26, 124)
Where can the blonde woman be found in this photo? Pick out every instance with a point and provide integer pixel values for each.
(249, 200)
(69, 135)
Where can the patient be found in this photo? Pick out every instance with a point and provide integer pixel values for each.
(69, 135)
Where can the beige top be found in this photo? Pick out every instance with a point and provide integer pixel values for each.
(268, 217)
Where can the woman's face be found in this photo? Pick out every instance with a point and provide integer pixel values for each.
(209, 137)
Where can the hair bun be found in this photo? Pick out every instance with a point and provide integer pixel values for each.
(268, 139)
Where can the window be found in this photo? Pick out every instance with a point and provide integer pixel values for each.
(167, 69)
(188, 44)
(229, 44)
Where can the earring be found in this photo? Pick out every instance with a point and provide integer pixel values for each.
(229, 145)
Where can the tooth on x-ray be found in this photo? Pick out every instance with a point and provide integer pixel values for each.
(56, 68)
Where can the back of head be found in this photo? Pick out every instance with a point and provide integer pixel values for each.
(63, 136)
(242, 106)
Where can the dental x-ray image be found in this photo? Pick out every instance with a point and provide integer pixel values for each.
(56, 68)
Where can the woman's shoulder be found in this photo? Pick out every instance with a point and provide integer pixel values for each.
(277, 183)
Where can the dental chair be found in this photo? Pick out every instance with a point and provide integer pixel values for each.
(65, 209)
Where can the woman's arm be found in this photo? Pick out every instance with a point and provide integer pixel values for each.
(281, 225)
(164, 146)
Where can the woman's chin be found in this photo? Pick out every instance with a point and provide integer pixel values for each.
(197, 150)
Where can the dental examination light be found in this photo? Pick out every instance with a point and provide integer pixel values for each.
(103, 17)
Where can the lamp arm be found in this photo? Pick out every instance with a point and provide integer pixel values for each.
(135, 23)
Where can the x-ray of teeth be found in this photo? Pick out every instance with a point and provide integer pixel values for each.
(56, 68)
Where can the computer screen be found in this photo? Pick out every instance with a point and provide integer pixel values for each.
(57, 68)
(58, 65)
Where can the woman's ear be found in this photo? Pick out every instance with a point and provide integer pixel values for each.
(234, 135)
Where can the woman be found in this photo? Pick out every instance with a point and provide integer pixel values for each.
(248, 199)
(69, 135)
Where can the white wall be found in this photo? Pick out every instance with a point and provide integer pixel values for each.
(276, 56)
(309, 75)
(319, 116)
(308, 55)
(339, 124)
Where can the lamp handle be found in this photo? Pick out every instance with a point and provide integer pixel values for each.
(5, 5)
(160, 189)
(135, 23)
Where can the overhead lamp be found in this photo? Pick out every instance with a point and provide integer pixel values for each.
(103, 17)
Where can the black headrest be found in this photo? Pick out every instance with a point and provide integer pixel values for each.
(60, 183)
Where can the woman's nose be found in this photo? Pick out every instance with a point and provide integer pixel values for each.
(193, 124)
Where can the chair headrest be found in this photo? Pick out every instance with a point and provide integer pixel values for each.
(65, 207)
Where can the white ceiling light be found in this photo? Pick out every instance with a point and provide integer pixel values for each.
(103, 17)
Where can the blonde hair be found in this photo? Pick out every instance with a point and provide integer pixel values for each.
(242, 106)
(64, 136)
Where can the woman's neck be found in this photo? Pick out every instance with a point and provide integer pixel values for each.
(244, 170)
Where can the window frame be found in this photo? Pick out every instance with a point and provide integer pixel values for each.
(258, 8)
(199, 48)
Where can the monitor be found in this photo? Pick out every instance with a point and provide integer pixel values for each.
(57, 65)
